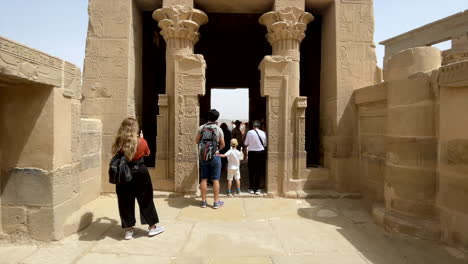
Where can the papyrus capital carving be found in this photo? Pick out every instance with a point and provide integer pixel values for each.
(180, 22)
(286, 24)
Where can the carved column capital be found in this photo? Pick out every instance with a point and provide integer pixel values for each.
(286, 29)
(180, 26)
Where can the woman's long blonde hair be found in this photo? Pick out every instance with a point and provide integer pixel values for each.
(127, 138)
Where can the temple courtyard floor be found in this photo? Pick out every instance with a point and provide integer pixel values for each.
(246, 230)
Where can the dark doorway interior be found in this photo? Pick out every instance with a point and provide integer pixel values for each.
(233, 46)
(310, 87)
(154, 81)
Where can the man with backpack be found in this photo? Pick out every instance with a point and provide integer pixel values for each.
(210, 140)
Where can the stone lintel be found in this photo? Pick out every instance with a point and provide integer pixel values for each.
(281, 4)
(167, 3)
(20, 62)
(433, 33)
(370, 94)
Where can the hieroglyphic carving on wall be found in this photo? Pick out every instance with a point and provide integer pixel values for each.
(357, 64)
(33, 65)
(299, 136)
(193, 84)
(356, 21)
(272, 86)
(27, 54)
(71, 81)
(454, 75)
(275, 104)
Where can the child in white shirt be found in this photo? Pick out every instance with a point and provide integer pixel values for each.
(234, 157)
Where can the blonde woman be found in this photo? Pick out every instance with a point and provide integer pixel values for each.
(134, 147)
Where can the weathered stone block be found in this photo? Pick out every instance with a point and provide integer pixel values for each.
(373, 124)
(373, 145)
(63, 132)
(281, 4)
(114, 26)
(90, 161)
(102, 67)
(454, 152)
(91, 173)
(27, 186)
(412, 151)
(409, 91)
(177, 2)
(411, 183)
(103, 106)
(105, 88)
(416, 120)
(75, 130)
(90, 124)
(99, 8)
(14, 219)
(355, 22)
(408, 62)
(371, 94)
(454, 228)
(372, 174)
(90, 142)
(65, 183)
(46, 223)
(342, 147)
(90, 189)
(108, 48)
(453, 191)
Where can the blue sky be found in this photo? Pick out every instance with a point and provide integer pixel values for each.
(58, 27)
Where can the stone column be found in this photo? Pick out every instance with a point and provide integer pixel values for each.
(411, 143)
(280, 77)
(177, 157)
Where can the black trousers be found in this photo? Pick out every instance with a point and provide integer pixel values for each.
(257, 164)
(140, 188)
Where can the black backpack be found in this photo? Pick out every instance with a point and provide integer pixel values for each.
(119, 171)
(208, 144)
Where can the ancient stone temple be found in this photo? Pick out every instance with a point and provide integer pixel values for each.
(337, 124)
(301, 61)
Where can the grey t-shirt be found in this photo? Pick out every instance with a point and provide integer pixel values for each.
(219, 131)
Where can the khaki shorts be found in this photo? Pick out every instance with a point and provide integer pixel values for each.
(233, 173)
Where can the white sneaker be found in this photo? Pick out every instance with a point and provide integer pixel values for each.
(257, 192)
(155, 230)
(129, 234)
(251, 191)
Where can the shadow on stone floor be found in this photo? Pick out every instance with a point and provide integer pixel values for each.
(97, 230)
(182, 202)
(351, 220)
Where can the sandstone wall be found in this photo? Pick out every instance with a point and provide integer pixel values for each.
(453, 153)
(90, 163)
(348, 63)
(372, 127)
(412, 132)
(40, 112)
(112, 73)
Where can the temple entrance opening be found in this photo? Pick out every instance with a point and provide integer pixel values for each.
(233, 46)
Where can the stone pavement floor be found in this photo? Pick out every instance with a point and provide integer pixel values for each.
(246, 230)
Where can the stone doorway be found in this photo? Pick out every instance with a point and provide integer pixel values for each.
(233, 46)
